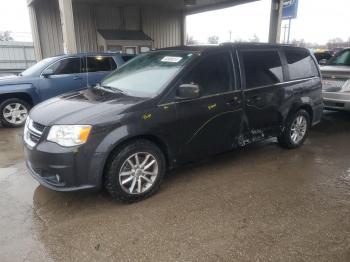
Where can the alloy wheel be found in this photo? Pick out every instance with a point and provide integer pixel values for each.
(138, 173)
(298, 130)
(15, 113)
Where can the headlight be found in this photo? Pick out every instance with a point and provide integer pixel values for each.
(69, 136)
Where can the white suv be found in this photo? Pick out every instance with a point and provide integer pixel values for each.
(336, 81)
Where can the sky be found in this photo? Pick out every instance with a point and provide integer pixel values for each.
(14, 17)
(317, 21)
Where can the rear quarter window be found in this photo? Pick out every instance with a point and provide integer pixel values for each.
(262, 68)
(99, 64)
(300, 64)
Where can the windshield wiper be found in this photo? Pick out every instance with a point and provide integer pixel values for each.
(110, 88)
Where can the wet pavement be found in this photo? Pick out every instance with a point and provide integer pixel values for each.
(261, 203)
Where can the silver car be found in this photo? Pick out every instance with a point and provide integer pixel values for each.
(336, 81)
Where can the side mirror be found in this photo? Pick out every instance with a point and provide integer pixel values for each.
(188, 91)
(323, 62)
(47, 72)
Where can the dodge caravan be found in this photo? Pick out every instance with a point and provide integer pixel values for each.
(169, 107)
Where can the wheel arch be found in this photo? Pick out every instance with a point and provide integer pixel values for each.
(19, 95)
(152, 138)
(301, 106)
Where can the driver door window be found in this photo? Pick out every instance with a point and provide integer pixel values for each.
(212, 74)
(66, 66)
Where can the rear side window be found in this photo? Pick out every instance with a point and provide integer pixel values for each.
(126, 58)
(99, 64)
(212, 74)
(262, 68)
(300, 64)
(66, 66)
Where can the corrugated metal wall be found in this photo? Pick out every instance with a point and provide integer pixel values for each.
(109, 17)
(16, 56)
(49, 27)
(85, 27)
(163, 26)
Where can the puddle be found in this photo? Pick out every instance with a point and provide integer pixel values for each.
(346, 177)
(6, 172)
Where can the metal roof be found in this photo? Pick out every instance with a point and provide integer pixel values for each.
(188, 6)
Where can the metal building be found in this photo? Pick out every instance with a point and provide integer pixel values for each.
(15, 57)
(132, 26)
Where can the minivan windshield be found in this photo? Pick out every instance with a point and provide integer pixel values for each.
(147, 75)
(37, 66)
(342, 58)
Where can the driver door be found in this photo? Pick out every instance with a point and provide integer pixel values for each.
(210, 123)
(66, 77)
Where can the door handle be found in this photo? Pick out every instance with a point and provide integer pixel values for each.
(234, 101)
(254, 99)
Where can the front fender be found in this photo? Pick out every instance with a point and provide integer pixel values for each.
(116, 137)
(27, 89)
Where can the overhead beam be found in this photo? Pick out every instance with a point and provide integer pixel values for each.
(215, 6)
(275, 21)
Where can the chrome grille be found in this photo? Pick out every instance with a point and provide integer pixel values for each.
(33, 132)
(38, 127)
(332, 84)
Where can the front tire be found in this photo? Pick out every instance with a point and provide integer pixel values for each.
(296, 130)
(135, 171)
(14, 112)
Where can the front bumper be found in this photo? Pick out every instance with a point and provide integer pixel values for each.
(64, 169)
(337, 100)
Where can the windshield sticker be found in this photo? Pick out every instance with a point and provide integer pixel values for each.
(171, 59)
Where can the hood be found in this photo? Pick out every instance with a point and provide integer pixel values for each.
(329, 71)
(85, 107)
(14, 80)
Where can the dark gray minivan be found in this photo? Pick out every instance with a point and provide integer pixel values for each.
(169, 107)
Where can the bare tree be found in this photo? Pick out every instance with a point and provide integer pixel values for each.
(190, 40)
(6, 36)
(300, 42)
(254, 39)
(336, 43)
(214, 39)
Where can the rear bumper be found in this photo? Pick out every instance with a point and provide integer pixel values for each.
(336, 100)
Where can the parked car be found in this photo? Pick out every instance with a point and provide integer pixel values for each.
(52, 77)
(323, 57)
(169, 107)
(336, 82)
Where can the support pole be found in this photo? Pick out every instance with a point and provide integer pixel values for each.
(35, 32)
(275, 21)
(289, 25)
(183, 29)
(67, 21)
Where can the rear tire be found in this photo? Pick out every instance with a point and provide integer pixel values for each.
(296, 130)
(135, 171)
(14, 112)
